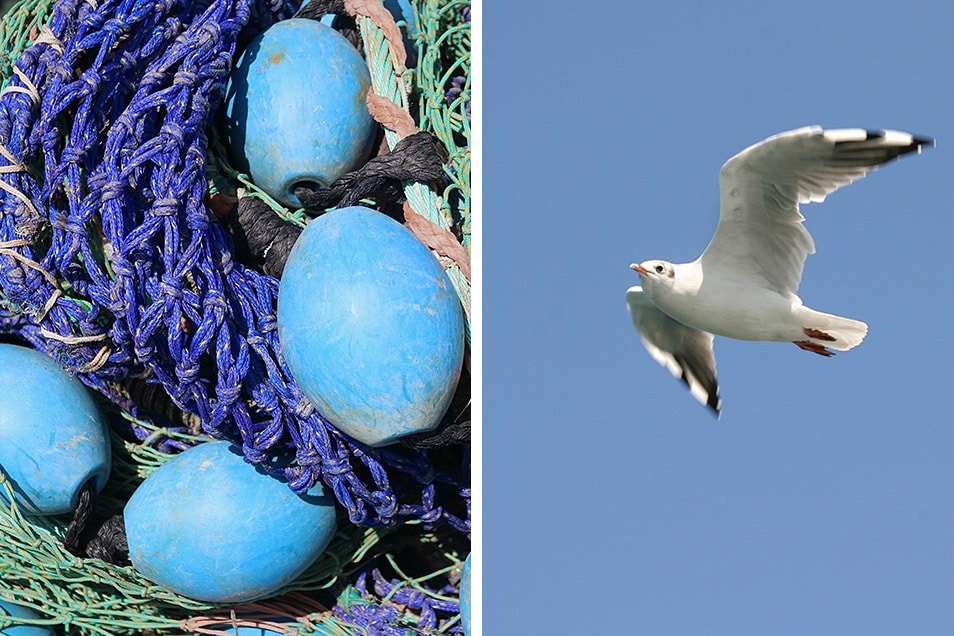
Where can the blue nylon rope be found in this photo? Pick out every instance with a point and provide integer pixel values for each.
(111, 263)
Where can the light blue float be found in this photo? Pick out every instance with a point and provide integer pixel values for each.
(296, 110)
(212, 527)
(465, 604)
(245, 630)
(53, 439)
(10, 609)
(370, 326)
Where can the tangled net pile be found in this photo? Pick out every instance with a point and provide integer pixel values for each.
(112, 263)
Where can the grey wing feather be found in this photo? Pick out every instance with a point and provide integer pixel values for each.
(685, 351)
(760, 238)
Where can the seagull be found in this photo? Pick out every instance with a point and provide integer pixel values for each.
(743, 285)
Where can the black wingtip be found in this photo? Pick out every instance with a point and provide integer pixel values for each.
(916, 140)
(924, 141)
(878, 148)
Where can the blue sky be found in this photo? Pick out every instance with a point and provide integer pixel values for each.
(823, 500)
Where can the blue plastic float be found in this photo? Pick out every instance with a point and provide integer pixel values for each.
(296, 111)
(465, 605)
(244, 630)
(212, 527)
(54, 437)
(370, 326)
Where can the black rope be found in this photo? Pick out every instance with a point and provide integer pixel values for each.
(263, 240)
(90, 536)
(418, 157)
(84, 510)
(110, 544)
(451, 434)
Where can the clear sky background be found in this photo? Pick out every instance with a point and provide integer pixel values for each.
(823, 500)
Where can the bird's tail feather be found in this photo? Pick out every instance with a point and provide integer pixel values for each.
(834, 332)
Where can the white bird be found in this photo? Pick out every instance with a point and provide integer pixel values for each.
(743, 285)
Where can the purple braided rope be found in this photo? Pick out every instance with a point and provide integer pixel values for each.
(111, 263)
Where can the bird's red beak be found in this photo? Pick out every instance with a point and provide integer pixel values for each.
(639, 269)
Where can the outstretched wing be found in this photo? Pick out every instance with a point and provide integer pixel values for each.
(760, 239)
(685, 351)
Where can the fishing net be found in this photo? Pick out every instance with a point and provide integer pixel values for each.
(116, 261)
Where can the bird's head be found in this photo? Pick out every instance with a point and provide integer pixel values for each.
(655, 274)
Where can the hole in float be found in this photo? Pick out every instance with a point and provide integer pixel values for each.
(304, 184)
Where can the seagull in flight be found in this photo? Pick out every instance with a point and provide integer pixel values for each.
(743, 285)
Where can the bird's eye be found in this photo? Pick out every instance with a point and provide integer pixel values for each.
(659, 269)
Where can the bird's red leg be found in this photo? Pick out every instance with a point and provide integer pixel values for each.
(818, 334)
(814, 347)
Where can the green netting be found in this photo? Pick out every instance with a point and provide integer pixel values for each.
(88, 596)
(446, 24)
(19, 27)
